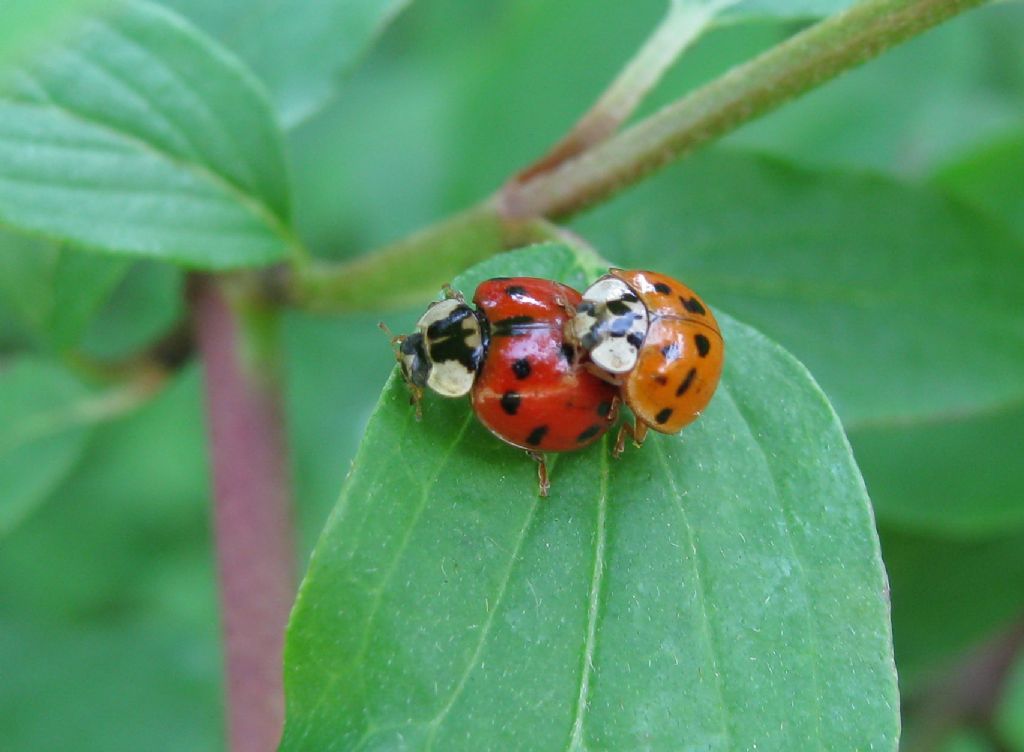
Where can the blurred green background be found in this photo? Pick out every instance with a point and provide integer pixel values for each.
(108, 619)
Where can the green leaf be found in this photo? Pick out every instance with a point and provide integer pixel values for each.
(722, 586)
(943, 92)
(929, 575)
(139, 136)
(738, 9)
(107, 687)
(299, 50)
(956, 477)
(56, 290)
(29, 23)
(891, 294)
(990, 178)
(1009, 718)
(108, 603)
(148, 303)
(43, 430)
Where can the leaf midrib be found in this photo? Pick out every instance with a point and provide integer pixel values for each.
(576, 738)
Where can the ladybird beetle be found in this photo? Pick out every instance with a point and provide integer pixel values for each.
(651, 335)
(527, 384)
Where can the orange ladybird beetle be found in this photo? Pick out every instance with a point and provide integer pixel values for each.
(654, 338)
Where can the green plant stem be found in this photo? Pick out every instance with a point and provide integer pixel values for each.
(407, 271)
(411, 269)
(252, 505)
(682, 24)
(804, 61)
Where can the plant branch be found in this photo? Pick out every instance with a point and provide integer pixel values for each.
(237, 343)
(808, 59)
(683, 23)
(413, 268)
(407, 271)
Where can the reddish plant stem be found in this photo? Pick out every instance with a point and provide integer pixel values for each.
(252, 518)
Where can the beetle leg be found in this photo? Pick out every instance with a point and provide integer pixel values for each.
(450, 293)
(636, 431)
(542, 473)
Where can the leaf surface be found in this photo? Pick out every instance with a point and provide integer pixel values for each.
(766, 9)
(42, 432)
(56, 291)
(928, 573)
(722, 586)
(299, 50)
(989, 177)
(904, 304)
(139, 136)
(960, 477)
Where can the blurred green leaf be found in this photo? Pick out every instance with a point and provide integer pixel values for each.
(948, 595)
(721, 586)
(28, 24)
(147, 303)
(966, 740)
(139, 136)
(140, 496)
(98, 688)
(781, 8)
(1009, 717)
(956, 477)
(949, 90)
(891, 294)
(43, 429)
(55, 290)
(990, 179)
(299, 50)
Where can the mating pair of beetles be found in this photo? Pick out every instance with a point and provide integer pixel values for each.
(547, 368)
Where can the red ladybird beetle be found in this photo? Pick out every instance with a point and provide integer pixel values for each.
(651, 335)
(526, 381)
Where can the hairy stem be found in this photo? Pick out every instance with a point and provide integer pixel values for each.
(252, 518)
(683, 23)
(806, 60)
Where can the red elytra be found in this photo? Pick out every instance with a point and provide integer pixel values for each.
(531, 390)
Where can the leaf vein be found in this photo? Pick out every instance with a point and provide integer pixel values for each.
(709, 635)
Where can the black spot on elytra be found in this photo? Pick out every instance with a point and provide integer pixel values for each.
(703, 345)
(569, 353)
(660, 379)
(671, 351)
(686, 382)
(588, 433)
(663, 415)
(510, 402)
(662, 288)
(692, 305)
(521, 368)
(515, 291)
(537, 435)
(635, 339)
(604, 408)
(513, 326)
